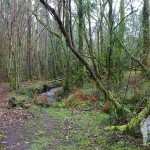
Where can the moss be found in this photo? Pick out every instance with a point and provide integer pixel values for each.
(132, 73)
(58, 105)
(59, 94)
(1, 147)
(118, 106)
(56, 84)
(1, 138)
(22, 97)
(26, 106)
(134, 121)
(19, 101)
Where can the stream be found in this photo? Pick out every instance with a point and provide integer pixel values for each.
(50, 94)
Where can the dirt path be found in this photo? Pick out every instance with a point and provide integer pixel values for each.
(12, 123)
(6, 116)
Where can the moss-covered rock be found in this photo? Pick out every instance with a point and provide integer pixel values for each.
(18, 102)
(13, 102)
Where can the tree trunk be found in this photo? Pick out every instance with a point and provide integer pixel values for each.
(46, 47)
(110, 48)
(80, 70)
(146, 34)
(122, 25)
(14, 65)
(29, 69)
(37, 47)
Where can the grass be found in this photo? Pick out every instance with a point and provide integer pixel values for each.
(132, 73)
(79, 130)
(37, 134)
(40, 143)
(1, 147)
(1, 138)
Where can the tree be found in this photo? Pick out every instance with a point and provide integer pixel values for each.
(146, 33)
(80, 71)
(110, 48)
(122, 21)
(29, 48)
(37, 42)
(16, 50)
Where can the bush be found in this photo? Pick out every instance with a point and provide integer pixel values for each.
(79, 100)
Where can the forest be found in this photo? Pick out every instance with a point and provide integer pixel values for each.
(74, 74)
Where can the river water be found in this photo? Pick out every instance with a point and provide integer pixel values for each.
(50, 94)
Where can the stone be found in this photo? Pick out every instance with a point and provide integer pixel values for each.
(145, 130)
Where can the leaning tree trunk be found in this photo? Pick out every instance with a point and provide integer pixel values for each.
(134, 121)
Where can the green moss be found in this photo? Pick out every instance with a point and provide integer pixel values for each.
(19, 101)
(30, 89)
(118, 147)
(132, 73)
(24, 94)
(58, 105)
(1, 137)
(1, 147)
(89, 91)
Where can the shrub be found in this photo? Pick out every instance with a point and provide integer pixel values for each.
(78, 99)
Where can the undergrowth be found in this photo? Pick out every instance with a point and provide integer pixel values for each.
(1, 138)
(79, 122)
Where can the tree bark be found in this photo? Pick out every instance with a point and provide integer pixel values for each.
(80, 39)
(146, 34)
(29, 69)
(110, 48)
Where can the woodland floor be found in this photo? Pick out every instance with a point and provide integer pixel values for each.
(12, 123)
(15, 134)
(57, 129)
